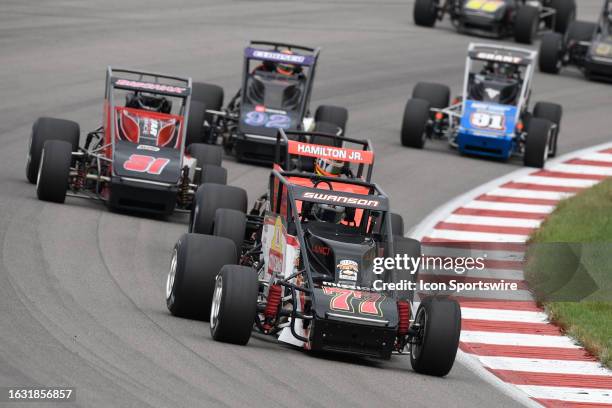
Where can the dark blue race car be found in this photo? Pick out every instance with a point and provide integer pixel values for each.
(492, 119)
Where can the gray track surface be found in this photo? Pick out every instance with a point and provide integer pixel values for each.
(81, 289)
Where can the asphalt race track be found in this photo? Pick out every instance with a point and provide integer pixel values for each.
(81, 289)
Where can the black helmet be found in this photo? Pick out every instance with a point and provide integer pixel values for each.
(146, 101)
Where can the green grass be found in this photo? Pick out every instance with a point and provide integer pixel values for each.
(574, 281)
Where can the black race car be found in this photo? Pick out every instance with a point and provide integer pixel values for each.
(138, 158)
(275, 94)
(499, 18)
(587, 45)
(300, 265)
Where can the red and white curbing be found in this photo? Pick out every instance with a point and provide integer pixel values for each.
(514, 341)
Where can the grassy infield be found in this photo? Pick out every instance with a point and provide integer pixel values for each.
(584, 218)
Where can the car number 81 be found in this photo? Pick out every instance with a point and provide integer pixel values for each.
(487, 120)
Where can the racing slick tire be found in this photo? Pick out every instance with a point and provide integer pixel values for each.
(526, 24)
(552, 48)
(425, 12)
(208, 199)
(438, 95)
(230, 224)
(52, 179)
(212, 174)
(196, 261)
(195, 123)
(332, 114)
(581, 31)
(553, 112)
(206, 154)
(49, 129)
(210, 95)
(435, 350)
(234, 304)
(397, 224)
(411, 248)
(537, 143)
(565, 14)
(414, 124)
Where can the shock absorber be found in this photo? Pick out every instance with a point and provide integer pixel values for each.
(79, 180)
(184, 187)
(403, 310)
(274, 300)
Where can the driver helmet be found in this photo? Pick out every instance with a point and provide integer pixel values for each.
(284, 68)
(146, 101)
(328, 167)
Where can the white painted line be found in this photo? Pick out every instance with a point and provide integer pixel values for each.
(492, 205)
(468, 236)
(535, 365)
(518, 193)
(509, 295)
(581, 169)
(516, 339)
(501, 315)
(561, 182)
(569, 394)
(493, 221)
(507, 274)
(604, 157)
(450, 251)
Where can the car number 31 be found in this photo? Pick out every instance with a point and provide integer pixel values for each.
(277, 121)
(487, 120)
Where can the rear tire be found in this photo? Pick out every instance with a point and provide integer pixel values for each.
(195, 123)
(336, 115)
(554, 113)
(551, 53)
(49, 129)
(52, 181)
(230, 224)
(397, 224)
(565, 14)
(438, 95)
(234, 304)
(440, 320)
(414, 123)
(425, 12)
(210, 197)
(206, 154)
(538, 139)
(196, 261)
(526, 24)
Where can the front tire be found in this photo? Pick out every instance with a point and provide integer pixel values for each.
(234, 304)
(210, 197)
(440, 328)
(52, 179)
(554, 113)
(335, 115)
(551, 53)
(565, 14)
(230, 224)
(425, 12)
(414, 123)
(196, 261)
(438, 95)
(195, 123)
(537, 143)
(526, 24)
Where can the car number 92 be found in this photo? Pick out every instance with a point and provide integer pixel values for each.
(278, 121)
(485, 120)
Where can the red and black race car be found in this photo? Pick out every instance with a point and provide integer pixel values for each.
(299, 266)
(137, 159)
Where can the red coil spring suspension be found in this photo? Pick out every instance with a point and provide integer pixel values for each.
(403, 310)
(274, 300)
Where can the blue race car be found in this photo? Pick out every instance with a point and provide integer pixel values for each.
(492, 119)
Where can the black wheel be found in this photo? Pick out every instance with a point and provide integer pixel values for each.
(397, 224)
(553, 112)
(234, 304)
(210, 197)
(212, 174)
(196, 261)
(552, 49)
(425, 12)
(206, 154)
(526, 24)
(411, 248)
(581, 31)
(230, 224)
(195, 123)
(336, 115)
(52, 182)
(439, 321)
(414, 124)
(565, 14)
(211, 96)
(537, 143)
(49, 129)
(438, 95)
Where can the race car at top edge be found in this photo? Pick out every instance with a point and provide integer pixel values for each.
(138, 159)
(522, 19)
(275, 93)
(299, 267)
(587, 45)
(492, 118)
